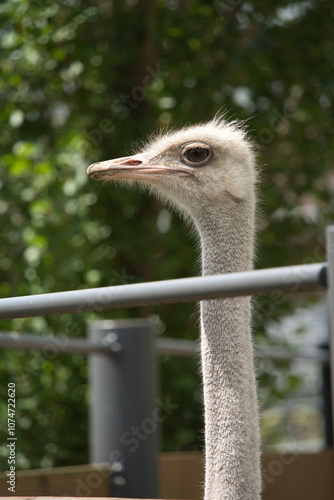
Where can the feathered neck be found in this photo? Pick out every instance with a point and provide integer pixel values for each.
(232, 440)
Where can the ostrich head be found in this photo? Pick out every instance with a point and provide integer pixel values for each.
(192, 167)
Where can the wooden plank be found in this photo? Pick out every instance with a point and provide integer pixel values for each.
(303, 476)
(285, 475)
(182, 475)
(288, 476)
(75, 481)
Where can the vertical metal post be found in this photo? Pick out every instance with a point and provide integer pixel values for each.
(327, 398)
(330, 294)
(123, 407)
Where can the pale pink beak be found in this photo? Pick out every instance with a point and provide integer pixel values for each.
(118, 168)
(132, 167)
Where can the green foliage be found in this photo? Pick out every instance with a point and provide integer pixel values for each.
(82, 80)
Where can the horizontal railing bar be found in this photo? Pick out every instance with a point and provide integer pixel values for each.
(177, 347)
(180, 347)
(52, 345)
(313, 354)
(259, 282)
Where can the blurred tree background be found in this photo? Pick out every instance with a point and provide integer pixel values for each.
(85, 80)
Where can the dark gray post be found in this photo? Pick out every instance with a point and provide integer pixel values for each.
(330, 293)
(124, 414)
(327, 398)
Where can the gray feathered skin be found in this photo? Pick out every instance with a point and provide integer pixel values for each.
(218, 194)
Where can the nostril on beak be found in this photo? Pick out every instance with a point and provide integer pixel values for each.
(133, 163)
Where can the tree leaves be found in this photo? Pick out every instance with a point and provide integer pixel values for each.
(83, 81)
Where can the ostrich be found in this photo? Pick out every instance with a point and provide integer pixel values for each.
(207, 172)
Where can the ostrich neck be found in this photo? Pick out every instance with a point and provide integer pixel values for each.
(231, 414)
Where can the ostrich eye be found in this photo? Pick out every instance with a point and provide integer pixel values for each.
(197, 155)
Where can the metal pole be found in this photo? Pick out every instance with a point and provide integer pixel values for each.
(124, 410)
(326, 398)
(53, 344)
(291, 279)
(330, 285)
(180, 347)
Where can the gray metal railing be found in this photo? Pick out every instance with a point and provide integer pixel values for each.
(163, 346)
(124, 410)
(106, 347)
(284, 279)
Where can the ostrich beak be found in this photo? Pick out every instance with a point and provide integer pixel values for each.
(120, 168)
(133, 168)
